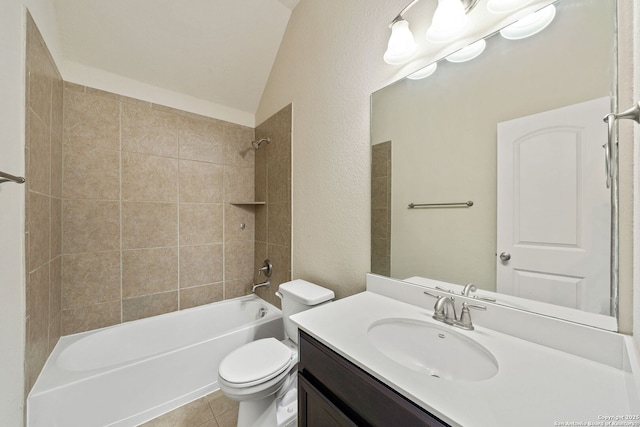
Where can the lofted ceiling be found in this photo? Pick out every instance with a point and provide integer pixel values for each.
(219, 51)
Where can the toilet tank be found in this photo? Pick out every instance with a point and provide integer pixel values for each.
(299, 295)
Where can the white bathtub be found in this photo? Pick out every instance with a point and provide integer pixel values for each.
(130, 373)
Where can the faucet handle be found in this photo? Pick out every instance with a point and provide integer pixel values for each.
(465, 316)
(432, 295)
(474, 306)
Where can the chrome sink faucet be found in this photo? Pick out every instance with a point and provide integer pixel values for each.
(444, 310)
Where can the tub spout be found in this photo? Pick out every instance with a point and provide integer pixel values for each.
(257, 285)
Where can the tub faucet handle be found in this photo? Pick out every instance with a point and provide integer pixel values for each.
(267, 268)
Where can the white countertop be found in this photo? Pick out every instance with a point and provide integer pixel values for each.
(535, 385)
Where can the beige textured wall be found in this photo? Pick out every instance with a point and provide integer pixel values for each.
(43, 203)
(273, 186)
(148, 227)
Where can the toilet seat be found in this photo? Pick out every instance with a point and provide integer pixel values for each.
(255, 363)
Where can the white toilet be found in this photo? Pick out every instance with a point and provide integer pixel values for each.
(261, 374)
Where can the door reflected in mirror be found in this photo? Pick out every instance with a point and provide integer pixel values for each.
(518, 131)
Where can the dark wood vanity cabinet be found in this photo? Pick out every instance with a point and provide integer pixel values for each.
(334, 392)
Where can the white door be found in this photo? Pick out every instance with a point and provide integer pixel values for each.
(554, 207)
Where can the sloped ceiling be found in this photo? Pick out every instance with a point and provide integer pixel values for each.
(220, 51)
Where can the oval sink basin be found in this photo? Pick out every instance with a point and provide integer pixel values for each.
(432, 350)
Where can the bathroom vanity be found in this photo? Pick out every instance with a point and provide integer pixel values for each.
(334, 391)
(379, 358)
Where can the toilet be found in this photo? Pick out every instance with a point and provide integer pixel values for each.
(261, 375)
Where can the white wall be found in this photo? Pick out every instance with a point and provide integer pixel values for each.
(12, 275)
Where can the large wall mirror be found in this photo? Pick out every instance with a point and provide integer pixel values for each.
(518, 132)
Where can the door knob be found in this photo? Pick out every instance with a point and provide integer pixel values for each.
(505, 256)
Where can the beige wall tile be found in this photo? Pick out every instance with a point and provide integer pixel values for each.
(56, 227)
(74, 87)
(91, 173)
(55, 289)
(237, 288)
(90, 278)
(149, 305)
(261, 231)
(380, 227)
(279, 179)
(200, 223)
(38, 301)
(149, 178)
(57, 107)
(56, 166)
(280, 257)
(149, 225)
(200, 265)
(238, 148)
(91, 317)
(201, 139)
(149, 271)
(145, 130)
(238, 184)
(380, 157)
(91, 120)
(90, 226)
(279, 224)
(201, 182)
(238, 258)
(261, 181)
(39, 230)
(39, 165)
(40, 76)
(379, 192)
(200, 295)
(55, 332)
(234, 216)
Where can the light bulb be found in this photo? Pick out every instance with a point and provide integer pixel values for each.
(402, 45)
(530, 24)
(468, 53)
(423, 72)
(449, 21)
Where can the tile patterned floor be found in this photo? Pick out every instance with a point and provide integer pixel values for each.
(213, 410)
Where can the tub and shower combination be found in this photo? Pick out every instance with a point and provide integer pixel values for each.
(130, 373)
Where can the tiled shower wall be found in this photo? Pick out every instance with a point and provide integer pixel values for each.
(147, 223)
(273, 186)
(381, 209)
(43, 203)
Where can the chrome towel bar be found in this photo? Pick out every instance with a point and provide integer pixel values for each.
(5, 177)
(441, 205)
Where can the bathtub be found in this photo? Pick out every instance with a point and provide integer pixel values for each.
(130, 373)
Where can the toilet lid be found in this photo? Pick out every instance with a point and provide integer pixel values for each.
(256, 361)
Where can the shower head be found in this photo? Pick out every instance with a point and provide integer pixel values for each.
(256, 144)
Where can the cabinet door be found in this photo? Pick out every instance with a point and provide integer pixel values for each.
(366, 400)
(315, 410)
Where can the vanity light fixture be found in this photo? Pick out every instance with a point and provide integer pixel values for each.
(468, 53)
(449, 22)
(505, 6)
(423, 73)
(530, 24)
(402, 46)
